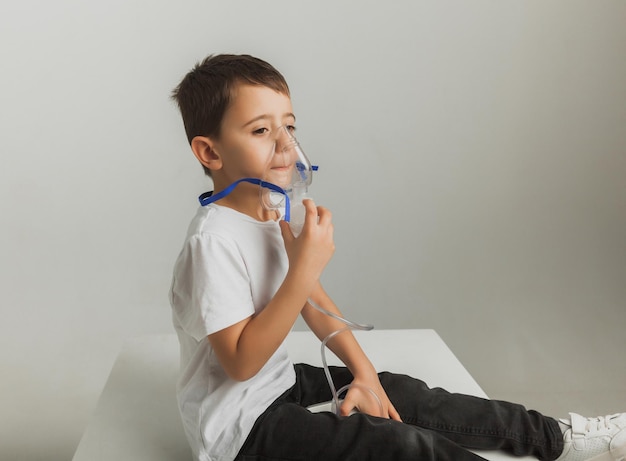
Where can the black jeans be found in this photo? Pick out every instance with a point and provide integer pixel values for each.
(437, 425)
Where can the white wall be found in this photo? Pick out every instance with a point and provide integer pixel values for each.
(473, 154)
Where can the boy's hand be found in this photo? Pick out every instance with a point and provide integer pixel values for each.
(360, 399)
(310, 252)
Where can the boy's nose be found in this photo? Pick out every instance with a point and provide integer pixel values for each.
(283, 139)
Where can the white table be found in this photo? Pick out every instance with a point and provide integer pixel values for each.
(136, 418)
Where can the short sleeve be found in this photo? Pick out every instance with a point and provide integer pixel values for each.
(211, 287)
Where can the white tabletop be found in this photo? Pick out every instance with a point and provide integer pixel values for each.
(136, 418)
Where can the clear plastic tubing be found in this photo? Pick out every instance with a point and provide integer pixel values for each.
(349, 326)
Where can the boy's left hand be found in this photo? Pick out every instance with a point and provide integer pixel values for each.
(360, 399)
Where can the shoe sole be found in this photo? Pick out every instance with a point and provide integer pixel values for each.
(606, 456)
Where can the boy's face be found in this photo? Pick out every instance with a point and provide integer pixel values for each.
(248, 132)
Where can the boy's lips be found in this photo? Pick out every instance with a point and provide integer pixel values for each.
(282, 168)
(281, 175)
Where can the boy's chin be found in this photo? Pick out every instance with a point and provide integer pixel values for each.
(279, 178)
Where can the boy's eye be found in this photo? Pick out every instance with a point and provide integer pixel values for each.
(260, 131)
(291, 128)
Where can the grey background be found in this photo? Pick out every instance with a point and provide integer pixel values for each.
(473, 154)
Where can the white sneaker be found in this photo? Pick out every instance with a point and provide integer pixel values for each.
(594, 439)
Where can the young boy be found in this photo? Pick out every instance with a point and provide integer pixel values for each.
(241, 280)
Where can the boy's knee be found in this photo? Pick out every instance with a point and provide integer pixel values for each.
(401, 383)
(409, 442)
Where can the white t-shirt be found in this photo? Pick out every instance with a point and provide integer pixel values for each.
(229, 268)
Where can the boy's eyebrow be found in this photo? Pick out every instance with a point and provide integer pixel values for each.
(264, 116)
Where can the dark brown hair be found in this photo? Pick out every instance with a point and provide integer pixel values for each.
(204, 94)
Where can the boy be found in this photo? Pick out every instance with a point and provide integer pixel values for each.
(240, 282)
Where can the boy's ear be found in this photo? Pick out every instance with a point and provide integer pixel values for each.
(202, 148)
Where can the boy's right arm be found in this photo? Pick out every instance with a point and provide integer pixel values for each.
(243, 348)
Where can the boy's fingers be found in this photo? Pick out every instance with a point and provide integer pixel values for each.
(311, 209)
(324, 214)
(346, 407)
(393, 413)
(285, 229)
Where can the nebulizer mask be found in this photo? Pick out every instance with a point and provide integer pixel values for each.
(288, 168)
(287, 176)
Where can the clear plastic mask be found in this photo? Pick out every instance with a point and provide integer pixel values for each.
(289, 168)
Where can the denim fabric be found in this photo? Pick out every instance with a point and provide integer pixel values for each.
(437, 425)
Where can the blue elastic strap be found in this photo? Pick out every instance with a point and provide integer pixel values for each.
(209, 197)
(301, 168)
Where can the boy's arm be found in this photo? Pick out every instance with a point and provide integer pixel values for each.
(345, 346)
(243, 348)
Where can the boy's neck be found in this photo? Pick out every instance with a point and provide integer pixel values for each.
(245, 198)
